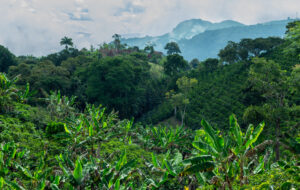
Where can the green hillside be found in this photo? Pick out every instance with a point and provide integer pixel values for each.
(124, 118)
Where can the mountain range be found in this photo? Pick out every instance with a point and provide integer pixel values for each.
(202, 39)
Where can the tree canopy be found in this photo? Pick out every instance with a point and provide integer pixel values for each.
(172, 48)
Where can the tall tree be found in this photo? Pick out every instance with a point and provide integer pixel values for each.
(119, 84)
(211, 64)
(293, 36)
(175, 64)
(180, 100)
(172, 48)
(267, 78)
(117, 41)
(65, 41)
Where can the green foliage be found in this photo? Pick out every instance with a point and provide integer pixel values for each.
(97, 150)
(293, 36)
(55, 128)
(60, 142)
(172, 48)
(175, 64)
(60, 107)
(217, 94)
(231, 154)
(118, 83)
(281, 176)
(180, 100)
(7, 59)
(21, 132)
(210, 64)
(113, 148)
(8, 93)
(66, 42)
(248, 48)
(159, 113)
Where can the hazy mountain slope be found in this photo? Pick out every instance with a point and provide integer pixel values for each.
(184, 30)
(202, 39)
(208, 43)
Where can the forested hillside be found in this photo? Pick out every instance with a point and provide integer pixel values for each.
(99, 118)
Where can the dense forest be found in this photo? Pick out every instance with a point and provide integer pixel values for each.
(120, 117)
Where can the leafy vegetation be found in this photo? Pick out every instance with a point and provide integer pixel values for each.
(92, 119)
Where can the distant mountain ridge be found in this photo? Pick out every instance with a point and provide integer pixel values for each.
(189, 28)
(202, 39)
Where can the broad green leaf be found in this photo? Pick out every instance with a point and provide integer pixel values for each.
(91, 130)
(129, 140)
(79, 127)
(177, 158)
(163, 180)
(236, 130)
(122, 161)
(255, 135)
(67, 130)
(42, 185)
(104, 125)
(21, 154)
(169, 167)
(154, 160)
(12, 156)
(204, 167)
(211, 134)
(260, 166)
(78, 174)
(201, 178)
(1, 182)
(24, 171)
(54, 187)
(204, 148)
(14, 185)
(199, 159)
(126, 169)
(117, 184)
(57, 180)
(249, 132)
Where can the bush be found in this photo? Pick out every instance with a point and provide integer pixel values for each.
(54, 128)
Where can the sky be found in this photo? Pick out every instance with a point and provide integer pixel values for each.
(35, 27)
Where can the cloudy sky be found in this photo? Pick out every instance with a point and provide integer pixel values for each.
(36, 26)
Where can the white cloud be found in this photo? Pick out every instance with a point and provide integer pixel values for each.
(36, 26)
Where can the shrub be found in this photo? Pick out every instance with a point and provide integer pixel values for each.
(54, 128)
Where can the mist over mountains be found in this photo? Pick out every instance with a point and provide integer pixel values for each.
(203, 39)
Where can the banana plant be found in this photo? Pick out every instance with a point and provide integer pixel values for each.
(245, 145)
(161, 168)
(10, 155)
(7, 92)
(76, 173)
(96, 173)
(60, 107)
(90, 128)
(36, 177)
(163, 138)
(166, 167)
(231, 152)
(26, 94)
(213, 151)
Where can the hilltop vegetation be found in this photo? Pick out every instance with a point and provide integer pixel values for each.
(89, 119)
(202, 39)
